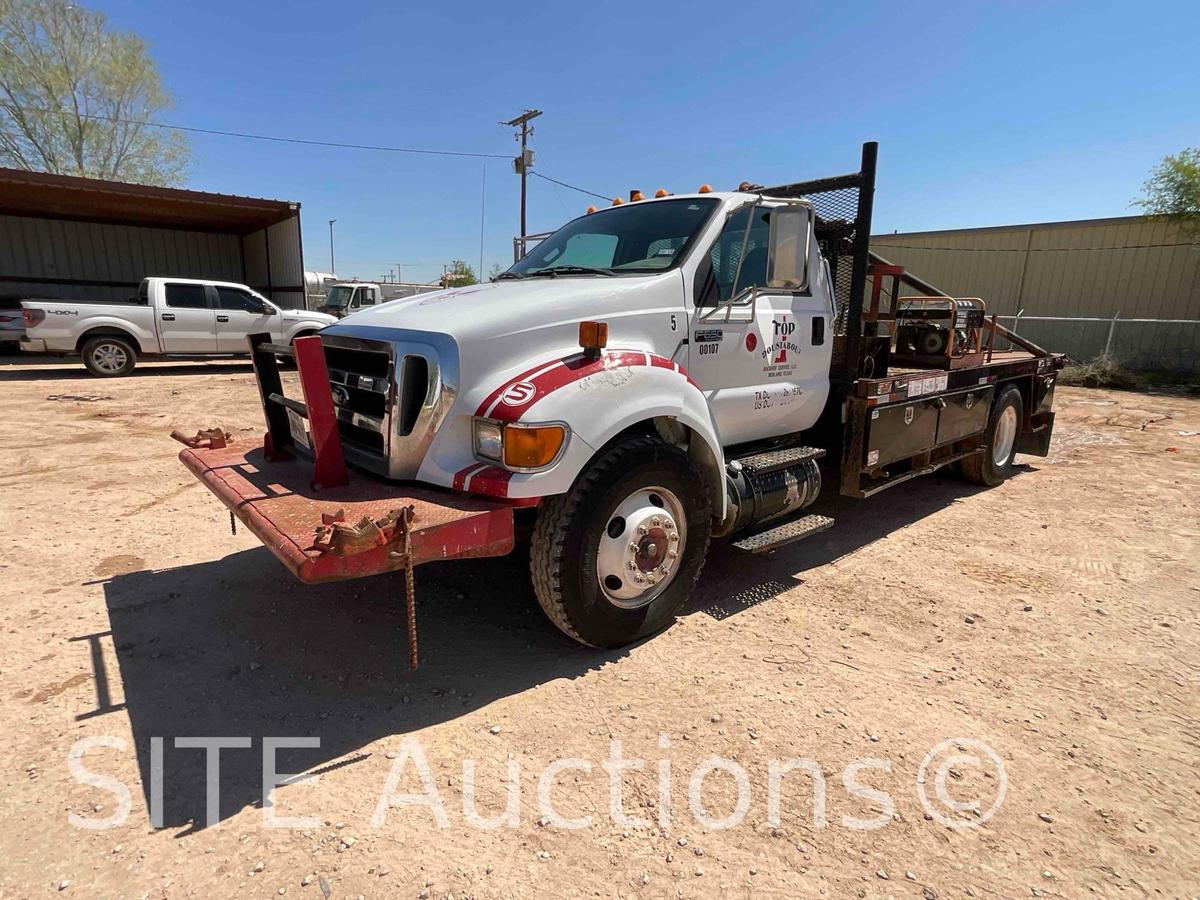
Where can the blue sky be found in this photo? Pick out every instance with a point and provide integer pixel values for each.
(985, 113)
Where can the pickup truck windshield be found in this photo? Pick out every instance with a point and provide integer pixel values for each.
(338, 297)
(637, 237)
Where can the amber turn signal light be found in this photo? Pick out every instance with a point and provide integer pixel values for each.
(593, 337)
(661, 192)
(705, 189)
(635, 196)
(590, 210)
(532, 447)
(617, 201)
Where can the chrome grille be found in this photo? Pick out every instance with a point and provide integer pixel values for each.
(360, 378)
(391, 394)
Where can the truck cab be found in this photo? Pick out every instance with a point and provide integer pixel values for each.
(349, 297)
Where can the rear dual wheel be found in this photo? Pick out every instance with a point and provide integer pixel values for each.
(995, 463)
(615, 558)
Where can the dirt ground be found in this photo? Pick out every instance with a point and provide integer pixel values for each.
(1052, 619)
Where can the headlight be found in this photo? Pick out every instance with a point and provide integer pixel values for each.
(519, 447)
(489, 439)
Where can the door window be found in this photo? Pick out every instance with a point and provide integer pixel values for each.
(725, 252)
(368, 296)
(186, 296)
(234, 299)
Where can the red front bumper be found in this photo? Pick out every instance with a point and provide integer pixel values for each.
(277, 503)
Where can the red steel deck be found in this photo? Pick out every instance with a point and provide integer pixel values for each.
(276, 501)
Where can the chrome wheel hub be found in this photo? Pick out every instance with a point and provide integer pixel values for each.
(641, 547)
(1005, 436)
(109, 357)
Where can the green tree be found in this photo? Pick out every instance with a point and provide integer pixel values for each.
(73, 92)
(1173, 189)
(459, 274)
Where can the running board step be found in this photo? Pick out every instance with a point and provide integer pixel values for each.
(774, 460)
(787, 533)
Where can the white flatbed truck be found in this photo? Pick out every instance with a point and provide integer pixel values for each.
(647, 378)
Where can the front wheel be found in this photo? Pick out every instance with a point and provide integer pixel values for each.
(615, 558)
(995, 463)
(108, 356)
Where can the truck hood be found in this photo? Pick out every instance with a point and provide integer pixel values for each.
(506, 308)
(304, 315)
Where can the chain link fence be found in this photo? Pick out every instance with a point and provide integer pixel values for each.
(1168, 345)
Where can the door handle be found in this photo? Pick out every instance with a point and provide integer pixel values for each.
(222, 318)
(168, 317)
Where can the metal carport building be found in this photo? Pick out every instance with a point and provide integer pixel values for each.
(69, 238)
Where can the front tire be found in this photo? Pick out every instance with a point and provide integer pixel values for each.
(109, 356)
(615, 558)
(995, 463)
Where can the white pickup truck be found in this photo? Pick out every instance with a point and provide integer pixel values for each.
(169, 317)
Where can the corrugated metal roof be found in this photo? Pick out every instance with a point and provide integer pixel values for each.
(43, 195)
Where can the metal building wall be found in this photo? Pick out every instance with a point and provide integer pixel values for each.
(1134, 266)
(274, 262)
(77, 260)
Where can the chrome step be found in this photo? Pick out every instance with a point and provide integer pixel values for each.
(774, 460)
(787, 533)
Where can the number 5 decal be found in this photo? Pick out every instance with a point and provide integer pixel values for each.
(674, 324)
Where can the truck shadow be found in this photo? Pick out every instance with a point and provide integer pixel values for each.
(54, 369)
(236, 648)
(734, 581)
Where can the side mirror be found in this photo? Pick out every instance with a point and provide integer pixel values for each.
(787, 260)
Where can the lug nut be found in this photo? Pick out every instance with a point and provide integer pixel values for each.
(642, 529)
(672, 553)
(655, 522)
(674, 536)
(633, 548)
(640, 579)
(631, 565)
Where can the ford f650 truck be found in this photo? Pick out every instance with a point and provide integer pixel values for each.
(180, 317)
(650, 376)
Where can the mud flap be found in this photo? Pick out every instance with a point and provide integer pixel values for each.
(1036, 441)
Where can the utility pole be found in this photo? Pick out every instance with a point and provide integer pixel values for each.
(332, 270)
(523, 163)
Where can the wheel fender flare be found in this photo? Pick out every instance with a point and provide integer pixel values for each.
(598, 400)
(107, 330)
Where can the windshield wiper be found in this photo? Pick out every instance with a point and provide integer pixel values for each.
(509, 275)
(571, 270)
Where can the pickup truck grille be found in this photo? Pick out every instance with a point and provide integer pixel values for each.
(361, 379)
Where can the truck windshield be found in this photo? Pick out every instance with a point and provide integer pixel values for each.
(338, 297)
(638, 237)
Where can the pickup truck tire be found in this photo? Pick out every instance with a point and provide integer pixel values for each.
(108, 355)
(995, 463)
(576, 531)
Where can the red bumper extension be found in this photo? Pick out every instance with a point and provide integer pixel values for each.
(276, 501)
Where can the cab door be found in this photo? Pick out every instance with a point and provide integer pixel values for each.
(240, 313)
(187, 322)
(762, 361)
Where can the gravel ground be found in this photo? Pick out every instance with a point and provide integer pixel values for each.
(1032, 649)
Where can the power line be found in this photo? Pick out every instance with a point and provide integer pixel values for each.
(571, 186)
(268, 137)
